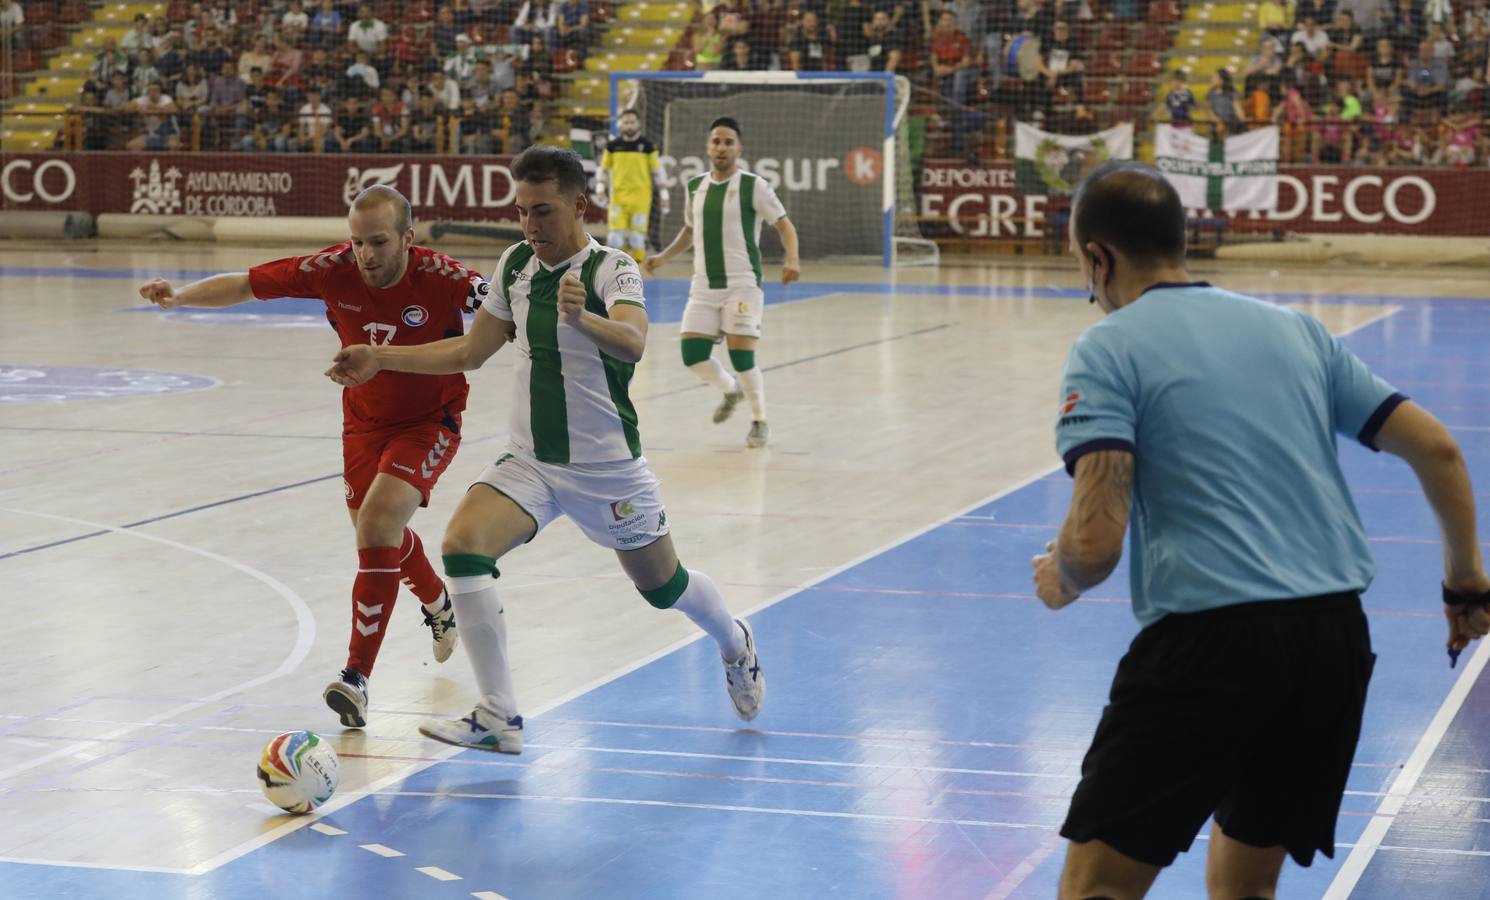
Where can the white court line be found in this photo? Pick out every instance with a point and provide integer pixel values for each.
(488, 895)
(304, 621)
(1376, 830)
(437, 873)
(379, 849)
(1027, 866)
(323, 828)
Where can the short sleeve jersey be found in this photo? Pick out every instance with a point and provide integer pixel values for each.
(630, 164)
(1231, 407)
(571, 400)
(426, 305)
(726, 218)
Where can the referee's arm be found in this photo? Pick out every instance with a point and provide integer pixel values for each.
(1091, 540)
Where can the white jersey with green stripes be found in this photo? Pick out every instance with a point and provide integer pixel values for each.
(570, 399)
(726, 219)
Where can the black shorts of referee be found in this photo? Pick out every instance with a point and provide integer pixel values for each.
(1248, 712)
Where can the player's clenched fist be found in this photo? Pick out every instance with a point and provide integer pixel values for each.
(571, 299)
(652, 264)
(354, 365)
(160, 292)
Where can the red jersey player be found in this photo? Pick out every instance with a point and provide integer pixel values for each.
(399, 432)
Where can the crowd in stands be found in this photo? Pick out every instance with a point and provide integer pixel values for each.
(332, 78)
(1378, 82)
(1359, 81)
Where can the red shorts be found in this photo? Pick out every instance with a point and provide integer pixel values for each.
(417, 454)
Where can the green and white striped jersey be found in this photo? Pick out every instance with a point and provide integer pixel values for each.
(726, 217)
(570, 400)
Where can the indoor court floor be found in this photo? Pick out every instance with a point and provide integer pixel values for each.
(177, 566)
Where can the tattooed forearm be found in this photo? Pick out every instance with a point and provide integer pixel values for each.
(1091, 541)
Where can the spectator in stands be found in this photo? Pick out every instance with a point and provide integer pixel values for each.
(211, 55)
(137, 38)
(739, 58)
(117, 97)
(426, 124)
(258, 57)
(1460, 136)
(503, 69)
(1315, 40)
(884, 47)
(171, 62)
(95, 121)
(319, 71)
(951, 60)
(708, 43)
(444, 32)
(145, 73)
(255, 96)
(222, 16)
(536, 19)
(1344, 34)
(191, 89)
(1180, 101)
(812, 49)
(1293, 116)
(574, 26)
(226, 91)
(514, 122)
(108, 60)
(1062, 65)
(1441, 13)
(273, 130)
(1331, 141)
(1036, 18)
(1476, 49)
(538, 62)
(537, 122)
(1385, 73)
(159, 130)
(768, 19)
(288, 62)
(853, 31)
(390, 123)
(461, 64)
(476, 129)
(353, 129)
(1275, 19)
(734, 20)
(1225, 106)
(1427, 88)
(1374, 17)
(527, 90)
(295, 20)
(1443, 48)
(12, 27)
(445, 91)
(972, 18)
(482, 86)
(1264, 72)
(465, 17)
(1407, 28)
(160, 30)
(361, 78)
(325, 26)
(368, 34)
(1307, 74)
(315, 123)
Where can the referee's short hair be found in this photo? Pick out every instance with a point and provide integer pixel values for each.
(540, 163)
(1132, 208)
(727, 122)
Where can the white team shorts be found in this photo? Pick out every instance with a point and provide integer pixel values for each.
(616, 504)
(736, 310)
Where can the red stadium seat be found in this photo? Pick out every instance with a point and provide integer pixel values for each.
(1153, 37)
(680, 61)
(1143, 64)
(74, 12)
(40, 12)
(1112, 37)
(1096, 92)
(1164, 12)
(565, 61)
(1105, 64)
(1136, 93)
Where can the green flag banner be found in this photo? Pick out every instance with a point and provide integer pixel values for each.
(1053, 164)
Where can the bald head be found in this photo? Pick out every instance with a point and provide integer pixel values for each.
(1130, 208)
(380, 194)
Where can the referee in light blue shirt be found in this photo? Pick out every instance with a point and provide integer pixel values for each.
(1210, 418)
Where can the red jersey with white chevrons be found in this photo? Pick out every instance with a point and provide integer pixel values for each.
(424, 306)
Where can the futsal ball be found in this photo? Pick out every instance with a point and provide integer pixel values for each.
(299, 771)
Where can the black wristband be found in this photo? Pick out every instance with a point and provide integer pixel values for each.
(1452, 597)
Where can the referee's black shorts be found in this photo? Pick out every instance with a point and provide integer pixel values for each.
(1250, 712)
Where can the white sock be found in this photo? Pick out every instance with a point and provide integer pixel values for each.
(483, 632)
(712, 373)
(755, 391)
(703, 604)
(436, 607)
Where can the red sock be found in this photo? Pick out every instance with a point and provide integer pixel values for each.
(373, 595)
(415, 570)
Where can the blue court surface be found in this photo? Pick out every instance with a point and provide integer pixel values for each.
(924, 727)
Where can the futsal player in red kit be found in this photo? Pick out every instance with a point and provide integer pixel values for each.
(399, 432)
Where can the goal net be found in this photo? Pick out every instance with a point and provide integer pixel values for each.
(825, 141)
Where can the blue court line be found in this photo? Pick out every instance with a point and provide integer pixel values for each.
(172, 515)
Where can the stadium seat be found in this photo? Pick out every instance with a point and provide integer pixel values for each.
(680, 61)
(1112, 37)
(1136, 93)
(7, 85)
(1164, 12)
(1105, 64)
(1153, 37)
(565, 61)
(1096, 92)
(40, 12)
(74, 12)
(179, 11)
(1349, 64)
(27, 60)
(1143, 64)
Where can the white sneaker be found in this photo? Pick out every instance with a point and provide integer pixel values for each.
(442, 625)
(760, 434)
(348, 697)
(744, 678)
(727, 406)
(480, 730)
